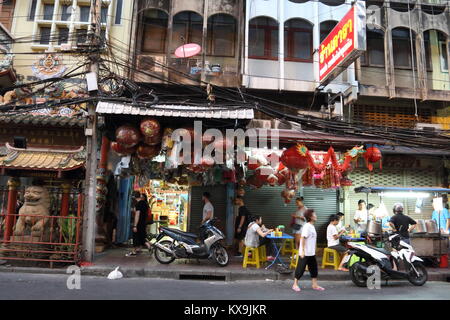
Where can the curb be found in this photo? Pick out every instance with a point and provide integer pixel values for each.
(193, 274)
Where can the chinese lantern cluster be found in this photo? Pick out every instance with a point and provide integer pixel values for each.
(144, 141)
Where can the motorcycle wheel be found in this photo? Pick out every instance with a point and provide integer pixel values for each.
(161, 255)
(220, 255)
(358, 277)
(423, 274)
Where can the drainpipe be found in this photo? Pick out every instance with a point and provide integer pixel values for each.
(281, 43)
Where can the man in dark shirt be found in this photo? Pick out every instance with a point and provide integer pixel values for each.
(140, 224)
(400, 223)
(241, 223)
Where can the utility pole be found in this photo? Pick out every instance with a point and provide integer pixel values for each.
(89, 218)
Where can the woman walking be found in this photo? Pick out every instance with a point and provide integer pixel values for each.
(298, 220)
(307, 252)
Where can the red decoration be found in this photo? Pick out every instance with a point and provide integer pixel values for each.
(147, 152)
(154, 140)
(150, 127)
(121, 150)
(293, 159)
(205, 164)
(128, 136)
(372, 155)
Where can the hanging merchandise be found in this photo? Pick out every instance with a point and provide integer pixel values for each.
(295, 158)
(121, 150)
(147, 152)
(287, 195)
(372, 155)
(153, 141)
(150, 128)
(167, 142)
(128, 136)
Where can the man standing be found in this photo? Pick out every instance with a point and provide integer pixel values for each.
(361, 216)
(401, 223)
(208, 209)
(241, 223)
(139, 224)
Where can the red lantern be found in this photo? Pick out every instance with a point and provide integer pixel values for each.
(128, 136)
(122, 150)
(150, 127)
(147, 152)
(372, 155)
(293, 159)
(154, 140)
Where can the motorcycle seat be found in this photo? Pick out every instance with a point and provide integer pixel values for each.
(381, 250)
(181, 233)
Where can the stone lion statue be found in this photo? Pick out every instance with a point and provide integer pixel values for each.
(37, 202)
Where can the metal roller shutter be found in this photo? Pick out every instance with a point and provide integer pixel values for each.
(267, 202)
(218, 199)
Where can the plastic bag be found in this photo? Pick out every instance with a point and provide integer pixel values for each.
(115, 274)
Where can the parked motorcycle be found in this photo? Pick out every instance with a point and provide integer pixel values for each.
(400, 263)
(183, 245)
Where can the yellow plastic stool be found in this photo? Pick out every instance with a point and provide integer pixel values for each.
(288, 246)
(254, 260)
(330, 258)
(262, 254)
(294, 260)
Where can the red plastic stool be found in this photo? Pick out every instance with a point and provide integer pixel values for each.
(444, 261)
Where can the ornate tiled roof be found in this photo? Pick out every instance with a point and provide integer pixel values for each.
(45, 120)
(41, 159)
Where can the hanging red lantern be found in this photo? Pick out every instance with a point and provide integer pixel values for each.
(128, 136)
(372, 155)
(295, 158)
(154, 140)
(147, 152)
(121, 150)
(150, 127)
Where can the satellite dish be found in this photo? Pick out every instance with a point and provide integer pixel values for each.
(188, 50)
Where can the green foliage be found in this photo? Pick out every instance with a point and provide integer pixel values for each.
(69, 228)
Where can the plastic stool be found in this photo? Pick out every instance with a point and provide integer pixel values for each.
(262, 254)
(254, 260)
(330, 258)
(294, 260)
(288, 246)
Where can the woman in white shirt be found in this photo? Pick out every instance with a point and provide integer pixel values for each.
(333, 240)
(307, 252)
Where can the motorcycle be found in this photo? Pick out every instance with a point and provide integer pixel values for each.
(400, 263)
(184, 245)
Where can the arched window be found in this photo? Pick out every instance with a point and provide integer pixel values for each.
(263, 38)
(325, 28)
(187, 28)
(333, 2)
(154, 35)
(438, 41)
(374, 56)
(298, 40)
(401, 47)
(221, 35)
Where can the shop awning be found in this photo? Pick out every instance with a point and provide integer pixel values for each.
(179, 111)
(401, 189)
(413, 151)
(41, 159)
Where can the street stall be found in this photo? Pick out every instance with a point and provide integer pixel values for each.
(430, 238)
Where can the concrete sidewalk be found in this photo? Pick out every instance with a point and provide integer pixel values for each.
(145, 265)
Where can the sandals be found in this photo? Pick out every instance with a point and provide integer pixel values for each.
(319, 289)
(296, 288)
(130, 254)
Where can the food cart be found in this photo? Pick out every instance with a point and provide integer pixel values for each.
(428, 241)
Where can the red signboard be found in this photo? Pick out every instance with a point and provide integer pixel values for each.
(343, 45)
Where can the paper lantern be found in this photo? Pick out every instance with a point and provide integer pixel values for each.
(293, 159)
(150, 127)
(128, 136)
(147, 152)
(154, 140)
(372, 155)
(121, 149)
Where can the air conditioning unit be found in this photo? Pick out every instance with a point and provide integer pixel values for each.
(151, 63)
(428, 126)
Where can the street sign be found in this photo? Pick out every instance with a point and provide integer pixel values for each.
(188, 50)
(345, 43)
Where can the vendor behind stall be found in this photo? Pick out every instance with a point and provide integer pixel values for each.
(401, 223)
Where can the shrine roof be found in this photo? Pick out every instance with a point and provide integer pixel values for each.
(44, 120)
(41, 159)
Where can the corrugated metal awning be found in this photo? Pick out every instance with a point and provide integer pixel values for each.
(179, 111)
